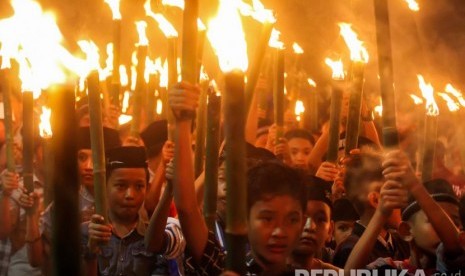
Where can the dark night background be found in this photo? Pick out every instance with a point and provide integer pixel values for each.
(431, 42)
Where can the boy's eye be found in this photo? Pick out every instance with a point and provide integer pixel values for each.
(266, 219)
(343, 228)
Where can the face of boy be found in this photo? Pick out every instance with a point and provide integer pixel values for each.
(300, 151)
(126, 192)
(274, 227)
(86, 168)
(317, 228)
(342, 229)
(221, 193)
(423, 232)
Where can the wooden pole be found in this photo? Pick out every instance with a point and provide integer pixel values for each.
(334, 122)
(355, 107)
(172, 60)
(211, 161)
(139, 91)
(200, 131)
(28, 140)
(115, 80)
(8, 120)
(97, 144)
(383, 40)
(236, 197)
(431, 130)
(278, 91)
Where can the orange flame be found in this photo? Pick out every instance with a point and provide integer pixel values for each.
(311, 82)
(45, 128)
(427, 91)
(451, 104)
(106, 72)
(125, 106)
(231, 49)
(456, 93)
(114, 6)
(164, 75)
(143, 40)
(337, 67)
(378, 110)
(417, 100)
(274, 41)
(159, 108)
(257, 11)
(180, 4)
(357, 51)
(299, 109)
(29, 82)
(124, 119)
(39, 38)
(165, 26)
(123, 76)
(297, 49)
(413, 5)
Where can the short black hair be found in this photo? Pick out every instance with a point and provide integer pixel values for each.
(362, 170)
(273, 178)
(300, 133)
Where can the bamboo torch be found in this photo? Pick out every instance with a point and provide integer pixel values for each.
(7, 110)
(359, 57)
(278, 85)
(311, 114)
(383, 41)
(200, 127)
(232, 55)
(212, 151)
(431, 129)
(115, 80)
(27, 86)
(45, 130)
(461, 132)
(98, 148)
(142, 48)
(335, 109)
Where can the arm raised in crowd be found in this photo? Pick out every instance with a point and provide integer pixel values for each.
(185, 97)
(10, 182)
(397, 166)
(35, 248)
(392, 196)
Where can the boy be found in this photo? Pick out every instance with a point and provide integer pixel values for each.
(317, 230)
(430, 222)
(124, 252)
(344, 217)
(363, 181)
(276, 200)
(300, 143)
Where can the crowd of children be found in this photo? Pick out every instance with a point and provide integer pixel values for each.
(368, 211)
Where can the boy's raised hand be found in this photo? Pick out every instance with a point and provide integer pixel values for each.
(183, 97)
(168, 151)
(30, 202)
(393, 195)
(397, 167)
(10, 182)
(99, 233)
(327, 171)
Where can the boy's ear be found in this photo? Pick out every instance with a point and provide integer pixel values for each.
(404, 231)
(373, 199)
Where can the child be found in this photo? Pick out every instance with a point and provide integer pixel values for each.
(276, 200)
(363, 181)
(429, 222)
(124, 252)
(300, 143)
(317, 230)
(344, 217)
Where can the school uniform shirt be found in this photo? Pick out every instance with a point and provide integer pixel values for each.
(5, 251)
(127, 255)
(393, 247)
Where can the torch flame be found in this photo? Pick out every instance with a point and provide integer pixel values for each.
(124, 107)
(257, 11)
(123, 119)
(164, 75)
(173, 3)
(44, 126)
(39, 38)
(337, 67)
(114, 6)
(417, 100)
(427, 91)
(311, 82)
(357, 51)
(413, 5)
(297, 49)
(143, 40)
(274, 41)
(451, 104)
(456, 93)
(123, 76)
(28, 78)
(165, 26)
(231, 49)
(379, 110)
(159, 108)
(299, 109)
